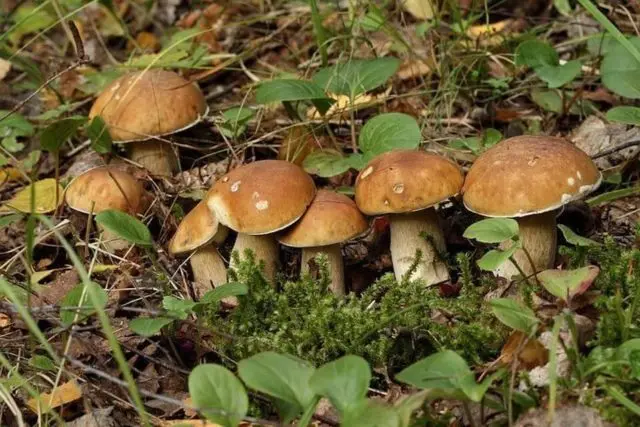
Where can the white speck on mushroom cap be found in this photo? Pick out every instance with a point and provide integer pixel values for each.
(565, 198)
(115, 87)
(225, 178)
(497, 162)
(386, 202)
(235, 186)
(255, 195)
(398, 188)
(533, 161)
(579, 175)
(262, 205)
(117, 97)
(366, 172)
(571, 181)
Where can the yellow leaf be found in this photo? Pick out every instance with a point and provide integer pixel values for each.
(46, 193)
(491, 34)
(39, 276)
(5, 67)
(103, 268)
(62, 395)
(421, 9)
(10, 174)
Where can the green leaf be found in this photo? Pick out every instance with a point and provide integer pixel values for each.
(10, 144)
(390, 131)
(69, 304)
(620, 71)
(551, 100)
(563, 6)
(496, 257)
(96, 82)
(125, 226)
(557, 76)
(344, 381)
(59, 132)
(41, 362)
(566, 284)
(371, 414)
(356, 76)
(147, 326)
(29, 19)
(231, 289)
(180, 308)
(406, 406)
(513, 314)
(32, 159)
(492, 230)
(282, 376)
(283, 90)
(571, 237)
(167, 58)
(326, 163)
(235, 120)
(218, 394)
(601, 43)
(535, 54)
(625, 114)
(98, 132)
(9, 219)
(15, 125)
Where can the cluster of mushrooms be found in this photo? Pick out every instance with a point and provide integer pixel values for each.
(267, 202)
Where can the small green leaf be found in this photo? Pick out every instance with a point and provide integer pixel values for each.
(147, 326)
(218, 394)
(601, 43)
(15, 125)
(566, 284)
(535, 54)
(344, 381)
(496, 257)
(59, 132)
(625, 114)
(356, 76)
(563, 6)
(42, 362)
(326, 163)
(571, 237)
(390, 131)
(11, 144)
(370, 413)
(557, 76)
(513, 314)
(492, 230)
(125, 226)
(69, 304)
(442, 372)
(551, 100)
(406, 406)
(620, 71)
(32, 159)
(231, 289)
(283, 90)
(180, 308)
(98, 132)
(9, 219)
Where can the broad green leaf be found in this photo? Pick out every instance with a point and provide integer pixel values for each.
(571, 237)
(557, 76)
(282, 376)
(601, 43)
(535, 54)
(180, 308)
(231, 289)
(566, 284)
(494, 258)
(390, 131)
(148, 326)
(356, 76)
(492, 230)
(69, 304)
(29, 19)
(59, 132)
(218, 394)
(98, 132)
(625, 114)
(443, 371)
(238, 115)
(344, 381)
(610, 196)
(42, 362)
(15, 125)
(551, 100)
(326, 163)
(371, 414)
(620, 71)
(513, 314)
(125, 226)
(406, 406)
(293, 90)
(48, 196)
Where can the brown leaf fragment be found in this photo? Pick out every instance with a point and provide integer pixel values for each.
(66, 393)
(97, 418)
(531, 354)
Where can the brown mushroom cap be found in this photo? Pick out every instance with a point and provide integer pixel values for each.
(332, 218)
(261, 197)
(527, 175)
(405, 181)
(149, 103)
(198, 228)
(104, 188)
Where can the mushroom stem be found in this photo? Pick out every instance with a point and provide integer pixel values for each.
(407, 236)
(264, 248)
(335, 264)
(539, 238)
(155, 156)
(208, 270)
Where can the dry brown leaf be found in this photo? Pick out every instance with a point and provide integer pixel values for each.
(66, 393)
(297, 145)
(5, 67)
(531, 355)
(5, 320)
(146, 41)
(491, 34)
(411, 68)
(342, 106)
(421, 9)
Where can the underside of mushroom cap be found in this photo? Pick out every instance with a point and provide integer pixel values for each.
(198, 228)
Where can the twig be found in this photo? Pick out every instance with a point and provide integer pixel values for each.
(619, 147)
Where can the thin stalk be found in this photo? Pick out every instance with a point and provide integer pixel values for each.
(319, 31)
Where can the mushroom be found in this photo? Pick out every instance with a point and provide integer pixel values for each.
(529, 178)
(331, 219)
(142, 105)
(103, 188)
(259, 199)
(407, 185)
(200, 233)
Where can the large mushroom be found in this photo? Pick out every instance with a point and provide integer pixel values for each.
(529, 178)
(331, 219)
(259, 199)
(407, 185)
(142, 105)
(199, 233)
(104, 188)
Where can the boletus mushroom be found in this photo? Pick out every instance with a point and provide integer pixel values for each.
(406, 185)
(331, 219)
(142, 105)
(529, 178)
(257, 200)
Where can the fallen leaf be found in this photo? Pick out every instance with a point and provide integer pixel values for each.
(5, 67)
(66, 393)
(342, 106)
(10, 174)
(48, 196)
(97, 418)
(421, 9)
(412, 68)
(55, 291)
(103, 268)
(146, 41)
(298, 143)
(39, 276)
(531, 355)
(5, 320)
(491, 34)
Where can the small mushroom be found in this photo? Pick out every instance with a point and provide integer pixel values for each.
(200, 233)
(529, 178)
(331, 219)
(259, 199)
(407, 185)
(142, 105)
(104, 188)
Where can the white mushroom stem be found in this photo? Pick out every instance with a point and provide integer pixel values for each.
(264, 248)
(155, 156)
(335, 264)
(539, 237)
(407, 232)
(208, 269)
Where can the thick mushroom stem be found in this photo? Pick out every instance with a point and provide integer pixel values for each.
(155, 156)
(264, 248)
(407, 231)
(208, 270)
(539, 238)
(335, 264)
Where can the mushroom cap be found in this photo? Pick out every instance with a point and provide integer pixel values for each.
(103, 188)
(528, 175)
(405, 181)
(332, 218)
(198, 228)
(149, 103)
(261, 197)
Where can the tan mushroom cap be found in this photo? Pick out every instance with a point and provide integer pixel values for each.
(261, 197)
(405, 181)
(526, 175)
(198, 228)
(332, 218)
(104, 188)
(149, 103)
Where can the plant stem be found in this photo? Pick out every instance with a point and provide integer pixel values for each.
(319, 32)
